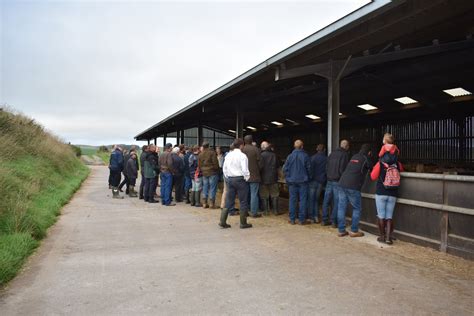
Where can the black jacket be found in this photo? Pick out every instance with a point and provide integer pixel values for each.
(269, 167)
(142, 162)
(131, 169)
(126, 157)
(389, 159)
(356, 171)
(336, 164)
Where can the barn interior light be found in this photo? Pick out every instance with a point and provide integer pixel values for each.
(367, 107)
(291, 121)
(312, 116)
(252, 128)
(232, 131)
(406, 100)
(340, 114)
(457, 92)
(277, 123)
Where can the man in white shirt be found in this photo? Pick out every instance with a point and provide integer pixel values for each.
(236, 173)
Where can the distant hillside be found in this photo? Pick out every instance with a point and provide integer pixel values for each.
(38, 175)
(103, 152)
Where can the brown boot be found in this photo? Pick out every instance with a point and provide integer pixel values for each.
(356, 234)
(204, 203)
(213, 204)
(391, 230)
(381, 224)
(388, 232)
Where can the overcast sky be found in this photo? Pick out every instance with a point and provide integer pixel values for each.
(100, 72)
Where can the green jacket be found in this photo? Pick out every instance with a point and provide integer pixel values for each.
(150, 168)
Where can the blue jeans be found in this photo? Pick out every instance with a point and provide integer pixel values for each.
(298, 191)
(331, 194)
(355, 198)
(254, 198)
(209, 186)
(385, 206)
(238, 186)
(166, 186)
(187, 183)
(315, 189)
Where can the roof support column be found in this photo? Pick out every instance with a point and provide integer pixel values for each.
(182, 136)
(239, 123)
(333, 114)
(164, 140)
(148, 142)
(155, 142)
(214, 139)
(199, 133)
(334, 75)
(178, 136)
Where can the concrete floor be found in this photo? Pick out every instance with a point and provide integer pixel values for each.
(126, 257)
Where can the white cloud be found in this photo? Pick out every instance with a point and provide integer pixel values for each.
(97, 71)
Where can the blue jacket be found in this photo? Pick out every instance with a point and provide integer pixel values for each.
(318, 167)
(297, 167)
(116, 160)
(186, 163)
(178, 165)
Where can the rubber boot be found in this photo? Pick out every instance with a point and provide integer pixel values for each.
(191, 198)
(243, 220)
(275, 206)
(381, 224)
(188, 201)
(224, 215)
(197, 198)
(115, 193)
(204, 203)
(133, 193)
(213, 204)
(388, 232)
(264, 204)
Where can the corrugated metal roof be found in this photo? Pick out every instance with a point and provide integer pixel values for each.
(355, 16)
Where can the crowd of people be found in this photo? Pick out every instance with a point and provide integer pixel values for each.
(251, 175)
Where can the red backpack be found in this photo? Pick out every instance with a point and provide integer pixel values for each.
(392, 176)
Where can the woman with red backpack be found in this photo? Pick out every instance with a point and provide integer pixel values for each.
(387, 174)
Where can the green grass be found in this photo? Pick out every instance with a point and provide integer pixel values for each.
(38, 175)
(28, 221)
(14, 249)
(104, 156)
(88, 151)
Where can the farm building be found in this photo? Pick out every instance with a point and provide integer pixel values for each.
(403, 66)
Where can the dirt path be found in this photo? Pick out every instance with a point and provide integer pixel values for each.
(126, 257)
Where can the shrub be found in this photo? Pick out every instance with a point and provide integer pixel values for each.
(77, 150)
(103, 149)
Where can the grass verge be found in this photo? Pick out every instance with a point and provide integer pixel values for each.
(22, 229)
(38, 175)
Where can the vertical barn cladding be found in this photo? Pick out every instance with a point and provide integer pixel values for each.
(447, 142)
